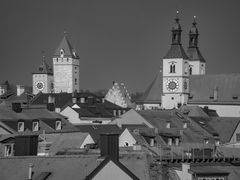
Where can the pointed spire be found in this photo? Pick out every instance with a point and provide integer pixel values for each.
(194, 53)
(44, 68)
(176, 31)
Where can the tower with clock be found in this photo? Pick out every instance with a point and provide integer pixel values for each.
(66, 68)
(175, 72)
(43, 79)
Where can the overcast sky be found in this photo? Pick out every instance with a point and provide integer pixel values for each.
(121, 41)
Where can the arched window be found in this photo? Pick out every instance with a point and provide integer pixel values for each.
(172, 68)
(190, 70)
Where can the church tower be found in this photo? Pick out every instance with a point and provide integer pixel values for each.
(175, 72)
(197, 64)
(43, 79)
(66, 68)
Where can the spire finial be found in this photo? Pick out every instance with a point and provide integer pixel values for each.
(194, 20)
(43, 55)
(65, 33)
(177, 18)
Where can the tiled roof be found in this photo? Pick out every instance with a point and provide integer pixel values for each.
(193, 111)
(96, 130)
(67, 47)
(159, 119)
(225, 127)
(194, 54)
(62, 141)
(176, 51)
(65, 167)
(153, 94)
(44, 68)
(202, 89)
(117, 163)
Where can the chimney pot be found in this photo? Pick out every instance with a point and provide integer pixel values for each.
(20, 90)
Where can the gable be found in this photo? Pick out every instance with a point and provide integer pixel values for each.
(131, 117)
(109, 170)
(126, 136)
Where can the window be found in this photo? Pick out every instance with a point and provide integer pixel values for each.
(119, 112)
(169, 141)
(75, 81)
(114, 112)
(172, 68)
(58, 125)
(8, 150)
(61, 53)
(238, 137)
(126, 144)
(35, 126)
(190, 70)
(20, 126)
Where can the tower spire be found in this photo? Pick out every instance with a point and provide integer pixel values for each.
(193, 34)
(176, 31)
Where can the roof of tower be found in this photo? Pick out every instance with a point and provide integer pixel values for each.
(176, 51)
(194, 29)
(44, 68)
(67, 48)
(177, 25)
(153, 94)
(195, 55)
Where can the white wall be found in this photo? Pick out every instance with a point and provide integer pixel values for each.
(126, 137)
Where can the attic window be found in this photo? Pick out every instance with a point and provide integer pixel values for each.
(35, 126)
(8, 150)
(168, 125)
(20, 126)
(58, 125)
(61, 53)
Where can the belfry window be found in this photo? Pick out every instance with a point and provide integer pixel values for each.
(172, 68)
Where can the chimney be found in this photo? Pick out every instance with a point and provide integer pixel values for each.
(51, 99)
(215, 94)
(30, 171)
(74, 97)
(20, 90)
(26, 145)
(109, 145)
(16, 107)
(185, 169)
(51, 107)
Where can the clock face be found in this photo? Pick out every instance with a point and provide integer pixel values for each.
(172, 85)
(40, 85)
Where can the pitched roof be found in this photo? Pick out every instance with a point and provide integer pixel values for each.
(96, 130)
(194, 54)
(193, 111)
(176, 51)
(75, 167)
(225, 127)
(153, 93)
(62, 141)
(117, 163)
(67, 48)
(226, 87)
(159, 119)
(44, 68)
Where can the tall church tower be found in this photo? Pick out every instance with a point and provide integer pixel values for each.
(66, 68)
(175, 72)
(43, 79)
(197, 64)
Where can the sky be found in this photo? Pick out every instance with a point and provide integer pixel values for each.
(117, 40)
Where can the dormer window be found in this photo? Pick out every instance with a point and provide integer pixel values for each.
(58, 125)
(61, 53)
(20, 126)
(35, 126)
(184, 125)
(168, 125)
